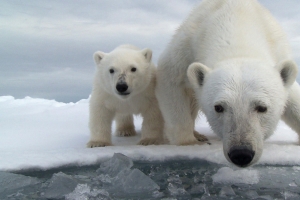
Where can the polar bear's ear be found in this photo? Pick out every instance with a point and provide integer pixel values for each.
(288, 71)
(148, 54)
(196, 74)
(98, 56)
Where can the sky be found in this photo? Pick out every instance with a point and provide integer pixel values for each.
(46, 47)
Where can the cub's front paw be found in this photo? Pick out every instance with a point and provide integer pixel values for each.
(92, 144)
(150, 141)
(192, 142)
(200, 137)
(125, 133)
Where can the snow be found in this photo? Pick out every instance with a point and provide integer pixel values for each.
(44, 134)
(241, 176)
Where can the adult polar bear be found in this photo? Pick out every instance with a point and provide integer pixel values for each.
(237, 59)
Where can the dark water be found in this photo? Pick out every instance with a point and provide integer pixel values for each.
(120, 178)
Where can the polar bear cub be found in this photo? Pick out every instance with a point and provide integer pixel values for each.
(237, 59)
(124, 85)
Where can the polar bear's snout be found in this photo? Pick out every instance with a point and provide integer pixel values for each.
(122, 86)
(241, 156)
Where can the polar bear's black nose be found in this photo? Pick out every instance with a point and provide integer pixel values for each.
(241, 156)
(121, 87)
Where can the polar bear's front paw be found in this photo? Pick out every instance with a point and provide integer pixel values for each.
(200, 137)
(125, 133)
(150, 141)
(191, 141)
(92, 144)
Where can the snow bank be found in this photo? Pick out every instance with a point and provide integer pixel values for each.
(43, 134)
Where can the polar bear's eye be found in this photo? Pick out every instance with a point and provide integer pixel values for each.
(219, 108)
(133, 69)
(111, 71)
(261, 109)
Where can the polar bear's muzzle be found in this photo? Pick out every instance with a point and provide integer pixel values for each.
(122, 86)
(241, 155)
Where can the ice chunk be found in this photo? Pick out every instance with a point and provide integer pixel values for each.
(83, 192)
(206, 194)
(137, 182)
(198, 189)
(115, 165)
(226, 191)
(251, 194)
(10, 181)
(176, 190)
(175, 186)
(104, 178)
(291, 195)
(265, 197)
(60, 185)
(174, 179)
(293, 184)
(240, 176)
(156, 194)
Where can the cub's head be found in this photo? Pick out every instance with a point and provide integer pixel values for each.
(124, 72)
(243, 102)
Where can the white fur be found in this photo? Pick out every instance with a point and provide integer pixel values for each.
(107, 104)
(237, 56)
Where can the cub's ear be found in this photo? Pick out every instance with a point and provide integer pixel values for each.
(288, 72)
(98, 56)
(196, 74)
(148, 54)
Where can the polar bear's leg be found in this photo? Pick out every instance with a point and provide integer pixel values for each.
(195, 110)
(152, 127)
(175, 105)
(291, 115)
(100, 126)
(125, 125)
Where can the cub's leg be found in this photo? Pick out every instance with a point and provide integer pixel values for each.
(125, 125)
(100, 126)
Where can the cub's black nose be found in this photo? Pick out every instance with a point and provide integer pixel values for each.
(122, 87)
(241, 156)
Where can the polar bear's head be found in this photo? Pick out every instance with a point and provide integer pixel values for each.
(243, 102)
(124, 72)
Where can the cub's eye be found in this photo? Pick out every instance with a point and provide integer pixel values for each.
(111, 71)
(219, 108)
(133, 69)
(261, 109)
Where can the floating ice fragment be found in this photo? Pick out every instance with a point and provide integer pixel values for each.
(10, 181)
(226, 191)
(251, 194)
(296, 168)
(174, 179)
(115, 165)
(293, 184)
(137, 182)
(60, 185)
(156, 194)
(84, 192)
(265, 197)
(241, 176)
(104, 178)
(198, 189)
(291, 195)
(206, 194)
(176, 191)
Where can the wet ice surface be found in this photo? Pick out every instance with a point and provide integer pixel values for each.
(121, 178)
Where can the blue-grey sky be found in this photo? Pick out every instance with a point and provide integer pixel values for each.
(46, 47)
